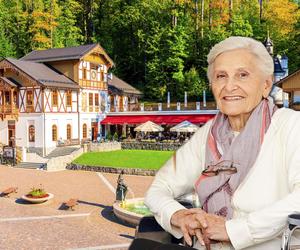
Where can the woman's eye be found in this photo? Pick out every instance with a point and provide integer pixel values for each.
(220, 76)
(244, 75)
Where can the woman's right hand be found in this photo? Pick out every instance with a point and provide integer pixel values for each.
(190, 222)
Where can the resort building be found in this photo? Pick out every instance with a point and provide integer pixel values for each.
(58, 96)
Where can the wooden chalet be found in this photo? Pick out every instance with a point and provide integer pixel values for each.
(291, 85)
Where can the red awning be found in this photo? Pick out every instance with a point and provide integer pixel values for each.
(158, 119)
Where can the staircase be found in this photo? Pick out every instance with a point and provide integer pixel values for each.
(61, 151)
(55, 160)
(31, 165)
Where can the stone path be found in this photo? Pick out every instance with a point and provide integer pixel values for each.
(91, 226)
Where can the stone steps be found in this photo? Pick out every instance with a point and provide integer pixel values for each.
(31, 165)
(61, 151)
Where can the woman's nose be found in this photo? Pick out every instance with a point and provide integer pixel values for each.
(231, 84)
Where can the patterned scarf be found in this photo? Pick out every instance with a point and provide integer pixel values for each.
(224, 151)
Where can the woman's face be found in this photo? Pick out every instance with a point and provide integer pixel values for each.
(237, 82)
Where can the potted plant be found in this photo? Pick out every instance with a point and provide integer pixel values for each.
(37, 195)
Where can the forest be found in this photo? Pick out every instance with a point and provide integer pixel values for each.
(157, 45)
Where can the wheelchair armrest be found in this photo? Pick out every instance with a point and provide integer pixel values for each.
(148, 228)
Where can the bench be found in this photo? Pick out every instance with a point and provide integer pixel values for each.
(8, 191)
(70, 204)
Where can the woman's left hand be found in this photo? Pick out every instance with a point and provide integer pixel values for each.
(216, 229)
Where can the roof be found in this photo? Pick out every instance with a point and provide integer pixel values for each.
(62, 54)
(277, 66)
(9, 81)
(117, 83)
(58, 53)
(279, 83)
(43, 74)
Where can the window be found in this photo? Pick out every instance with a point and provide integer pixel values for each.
(91, 103)
(7, 97)
(69, 132)
(31, 133)
(69, 99)
(54, 98)
(84, 131)
(102, 76)
(84, 74)
(97, 99)
(54, 133)
(29, 97)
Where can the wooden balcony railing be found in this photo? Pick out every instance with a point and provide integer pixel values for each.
(9, 109)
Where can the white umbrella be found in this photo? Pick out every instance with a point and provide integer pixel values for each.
(149, 127)
(185, 126)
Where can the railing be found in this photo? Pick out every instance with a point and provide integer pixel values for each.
(164, 107)
(9, 109)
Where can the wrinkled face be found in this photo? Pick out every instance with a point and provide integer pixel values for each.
(237, 82)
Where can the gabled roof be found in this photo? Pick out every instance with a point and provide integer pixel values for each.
(120, 85)
(43, 74)
(279, 83)
(62, 54)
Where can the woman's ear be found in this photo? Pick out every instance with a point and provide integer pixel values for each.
(268, 84)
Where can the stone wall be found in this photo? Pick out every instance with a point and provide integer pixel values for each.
(101, 147)
(151, 146)
(130, 171)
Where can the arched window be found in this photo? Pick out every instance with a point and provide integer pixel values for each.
(69, 132)
(54, 133)
(31, 133)
(84, 131)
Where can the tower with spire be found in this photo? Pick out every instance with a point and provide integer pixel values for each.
(280, 62)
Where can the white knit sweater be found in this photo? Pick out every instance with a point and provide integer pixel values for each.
(270, 191)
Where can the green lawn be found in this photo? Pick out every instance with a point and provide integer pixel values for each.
(145, 159)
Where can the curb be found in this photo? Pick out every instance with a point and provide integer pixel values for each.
(128, 171)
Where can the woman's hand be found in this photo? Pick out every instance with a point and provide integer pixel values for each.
(190, 222)
(216, 229)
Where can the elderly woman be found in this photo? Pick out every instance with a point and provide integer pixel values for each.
(244, 165)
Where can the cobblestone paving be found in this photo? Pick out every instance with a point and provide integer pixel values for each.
(93, 225)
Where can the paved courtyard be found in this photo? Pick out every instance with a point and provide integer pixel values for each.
(91, 225)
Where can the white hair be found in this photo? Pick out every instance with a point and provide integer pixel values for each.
(265, 61)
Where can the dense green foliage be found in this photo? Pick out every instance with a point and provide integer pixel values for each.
(157, 45)
(145, 159)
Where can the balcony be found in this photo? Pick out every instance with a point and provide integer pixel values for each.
(9, 111)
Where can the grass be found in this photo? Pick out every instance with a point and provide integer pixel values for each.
(144, 159)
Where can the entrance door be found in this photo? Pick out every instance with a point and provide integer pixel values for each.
(94, 131)
(11, 133)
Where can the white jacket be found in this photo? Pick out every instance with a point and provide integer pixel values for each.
(262, 202)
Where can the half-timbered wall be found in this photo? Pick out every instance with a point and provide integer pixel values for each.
(118, 103)
(92, 75)
(25, 106)
(61, 106)
(88, 105)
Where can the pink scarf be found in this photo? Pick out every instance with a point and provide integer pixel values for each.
(225, 152)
